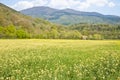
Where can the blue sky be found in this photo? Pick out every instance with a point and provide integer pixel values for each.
(107, 7)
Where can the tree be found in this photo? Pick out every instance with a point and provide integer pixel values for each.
(90, 37)
(10, 31)
(22, 34)
(97, 37)
(1, 32)
(54, 34)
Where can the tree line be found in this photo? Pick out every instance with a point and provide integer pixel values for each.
(77, 31)
(98, 31)
(13, 32)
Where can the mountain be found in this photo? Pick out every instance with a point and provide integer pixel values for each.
(13, 24)
(70, 16)
(10, 16)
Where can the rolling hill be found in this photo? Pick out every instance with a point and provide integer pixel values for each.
(9, 16)
(14, 25)
(70, 16)
(13, 22)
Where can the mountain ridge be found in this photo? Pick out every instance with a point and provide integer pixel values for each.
(16, 18)
(68, 16)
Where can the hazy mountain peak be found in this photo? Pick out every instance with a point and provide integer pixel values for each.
(70, 16)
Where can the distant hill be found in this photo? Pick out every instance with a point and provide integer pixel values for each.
(70, 16)
(9, 16)
(12, 21)
(14, 25)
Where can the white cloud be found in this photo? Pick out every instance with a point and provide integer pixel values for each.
(99, 3)
(60, 4)
(28, 4)
(95, 3)
(39, 2)
(22, 5)
(111, 4)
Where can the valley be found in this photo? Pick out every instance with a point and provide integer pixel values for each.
(43, 43)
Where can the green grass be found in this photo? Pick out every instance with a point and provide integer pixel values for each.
(59, 60)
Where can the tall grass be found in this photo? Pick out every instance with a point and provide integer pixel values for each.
(59, 60)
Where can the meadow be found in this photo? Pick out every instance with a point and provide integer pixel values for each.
(34, 59)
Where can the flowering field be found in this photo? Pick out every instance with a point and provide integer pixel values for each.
(59, 60)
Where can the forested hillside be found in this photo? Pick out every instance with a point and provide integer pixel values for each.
(16, 25)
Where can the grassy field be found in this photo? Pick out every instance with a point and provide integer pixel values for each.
(59, 60)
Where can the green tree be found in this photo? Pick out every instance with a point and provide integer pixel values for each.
(22, 34)
(10, 31)
(76, 35)
(1, 32)
(54, 34)
(97, 37)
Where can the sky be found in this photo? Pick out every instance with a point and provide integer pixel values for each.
(107, 7)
